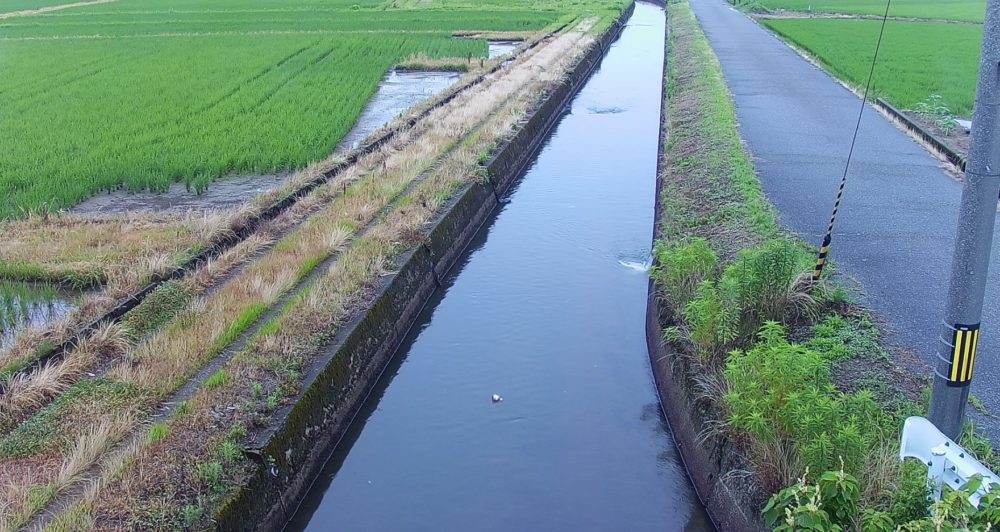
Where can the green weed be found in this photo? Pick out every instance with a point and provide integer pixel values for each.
(158, 432)
(681, 266)
(158, 308)
(242, 322)
(217, 379)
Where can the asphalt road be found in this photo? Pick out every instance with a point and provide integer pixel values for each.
(897, 225)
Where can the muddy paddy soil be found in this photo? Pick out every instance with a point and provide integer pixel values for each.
(958, 139)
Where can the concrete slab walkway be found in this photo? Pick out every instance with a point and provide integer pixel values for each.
(897, 226)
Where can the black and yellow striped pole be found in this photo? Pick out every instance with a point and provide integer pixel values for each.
(824, 249)
(959, 345)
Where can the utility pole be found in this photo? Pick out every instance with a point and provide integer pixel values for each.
(960, 331)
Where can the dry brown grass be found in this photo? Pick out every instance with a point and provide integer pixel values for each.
(28, 490)
(67, 246)
(496, 35)
(422, 61)
(26, 392)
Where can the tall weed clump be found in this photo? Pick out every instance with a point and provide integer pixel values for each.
(766, 283)
(681, 266)
(781, 397)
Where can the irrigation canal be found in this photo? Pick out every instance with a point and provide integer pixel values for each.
(546, 309)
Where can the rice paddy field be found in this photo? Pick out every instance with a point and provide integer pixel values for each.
(916, 60)
(930, 48)
(144, 93)
(960, 10)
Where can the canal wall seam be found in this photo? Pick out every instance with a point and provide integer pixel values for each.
(295, 448)
(249, 226)
(706, 455)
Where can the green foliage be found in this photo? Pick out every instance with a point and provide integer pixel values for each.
(146, 93)
(829, 504)
(965, 10)
(158, 431)
(762, 284)
(78, 278)
(211, 474)
(58, 423)
(763, 279)
(217, 379)
(229, 451)
(182, 409)
(934, 110)
(242, 322)
(681, 266)
(832, 504)
(839, 338)
(909, 502)
(23, 304)
(713, 318)
(190, 514)
(979, 446)
(310, 264)
(158, 308)
(782, 391)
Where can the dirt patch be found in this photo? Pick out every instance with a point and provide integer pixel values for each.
(222, 194)
(958, 139)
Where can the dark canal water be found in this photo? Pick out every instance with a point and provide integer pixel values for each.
(547, 310)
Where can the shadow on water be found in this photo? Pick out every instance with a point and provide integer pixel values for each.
(546, 308)
(25, 305)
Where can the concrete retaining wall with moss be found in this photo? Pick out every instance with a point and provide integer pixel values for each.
(295, 448)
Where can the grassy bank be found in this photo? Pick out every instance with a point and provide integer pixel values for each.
(794, 373)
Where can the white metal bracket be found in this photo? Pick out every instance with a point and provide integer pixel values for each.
(947, 462)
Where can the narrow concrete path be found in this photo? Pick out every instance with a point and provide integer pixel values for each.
(897, 226)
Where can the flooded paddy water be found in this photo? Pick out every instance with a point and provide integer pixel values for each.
(498, 48)
(24, 305)
(546, 310)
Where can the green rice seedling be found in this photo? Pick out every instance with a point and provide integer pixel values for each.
(916, 59)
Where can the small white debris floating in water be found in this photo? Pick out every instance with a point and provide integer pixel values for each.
(497, 398)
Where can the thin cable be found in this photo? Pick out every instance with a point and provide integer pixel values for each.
(821, 259)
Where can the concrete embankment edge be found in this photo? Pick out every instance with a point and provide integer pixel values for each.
(707, 456)
(921, 133)
(295, 449)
